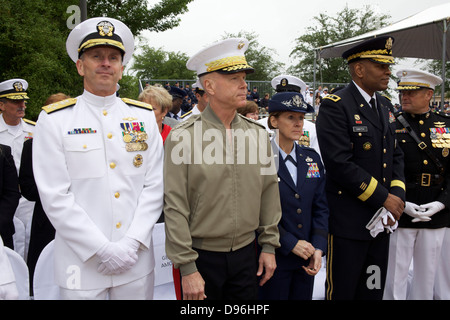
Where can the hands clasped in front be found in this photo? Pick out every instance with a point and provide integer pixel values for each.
(118, 257)
(306, 250)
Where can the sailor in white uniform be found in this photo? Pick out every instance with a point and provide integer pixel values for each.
(98, 167)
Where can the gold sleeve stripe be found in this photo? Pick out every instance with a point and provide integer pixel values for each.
(369, 191)
(329, 274)
(398, 183)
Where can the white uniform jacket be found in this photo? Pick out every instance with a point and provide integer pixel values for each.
(15, 139)
(94, 188)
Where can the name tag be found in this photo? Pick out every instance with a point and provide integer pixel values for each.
(360, 129)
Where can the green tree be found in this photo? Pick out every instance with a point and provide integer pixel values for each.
(259, 57)
(155, 63)
(33, 37)
(327, 29)
(138, 16)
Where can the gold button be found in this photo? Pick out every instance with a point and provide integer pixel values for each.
(117, 195)
(421, 121)
(299, 210)
(360, 134)
(105, 113)
(425, 162)
(84, 146)
(109, 135)
(300, 226)
(384, 150)
(384, 179)
(404, 141)
(384, 165)
(112, 165)
(297, 196)
(118, 225)
(339, 192)
(423, 135)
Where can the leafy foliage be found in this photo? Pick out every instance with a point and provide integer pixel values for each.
(327, 29)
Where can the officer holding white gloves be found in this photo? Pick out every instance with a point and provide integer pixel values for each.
(425, 140)
(98, 166)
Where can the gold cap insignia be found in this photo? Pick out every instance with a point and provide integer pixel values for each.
(18, 86)
(105, 28)
(389, 43)
(241, 45)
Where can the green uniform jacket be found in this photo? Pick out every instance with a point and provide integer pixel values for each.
(218, 196)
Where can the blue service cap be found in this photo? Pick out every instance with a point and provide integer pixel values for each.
(289, 101)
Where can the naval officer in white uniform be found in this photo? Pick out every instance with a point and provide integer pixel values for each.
(14, 131)
(98, 167)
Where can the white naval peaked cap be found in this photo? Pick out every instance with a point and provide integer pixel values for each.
(412, 79)
(226, 56)
(14, 89)
(198, 85)
(100, 31)
(284, 82)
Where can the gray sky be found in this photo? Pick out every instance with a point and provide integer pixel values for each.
(277, 23)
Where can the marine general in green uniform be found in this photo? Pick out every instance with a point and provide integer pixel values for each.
(221, 192)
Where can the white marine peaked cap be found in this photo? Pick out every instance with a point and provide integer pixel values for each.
(412, 79)
(226, 56)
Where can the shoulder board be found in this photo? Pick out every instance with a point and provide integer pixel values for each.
(332, 97)
(60, 105)
(386, 97)
(29, 122)
(186, 114)
(136, 103)
(185, 124)
(443, 114)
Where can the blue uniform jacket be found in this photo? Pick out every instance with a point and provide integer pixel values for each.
(304, 207)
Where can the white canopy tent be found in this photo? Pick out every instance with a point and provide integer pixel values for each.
(423, 35)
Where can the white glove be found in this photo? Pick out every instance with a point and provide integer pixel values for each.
(416, 211)
(380, 224)
(389, 229)
(118, 257)
(9, 291)
(432, 208)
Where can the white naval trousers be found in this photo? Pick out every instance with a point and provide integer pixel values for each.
(422, 247)
(140, 289)
(442, 285)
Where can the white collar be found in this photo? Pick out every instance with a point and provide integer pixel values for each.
(99, 101)
(365, 95)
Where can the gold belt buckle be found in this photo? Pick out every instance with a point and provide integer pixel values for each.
(425, 180)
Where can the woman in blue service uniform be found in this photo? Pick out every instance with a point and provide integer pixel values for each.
(304, 223)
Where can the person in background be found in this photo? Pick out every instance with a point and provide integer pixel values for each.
(423, 137)
(250, 110)
(202, 101)
(14, 131)
(9, 195)
(304, 221)
(161, 102)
